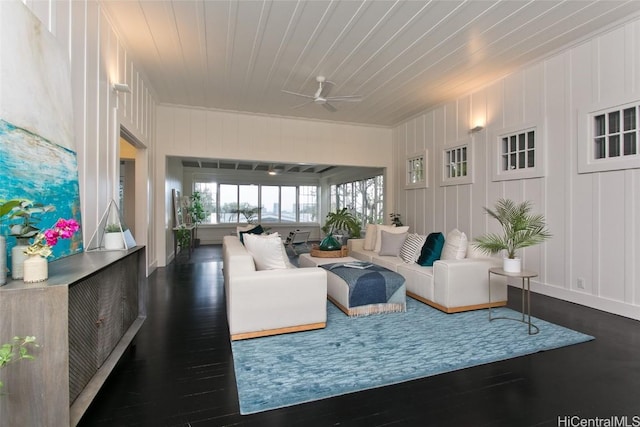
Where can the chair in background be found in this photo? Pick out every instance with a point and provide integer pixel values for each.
(296, 239)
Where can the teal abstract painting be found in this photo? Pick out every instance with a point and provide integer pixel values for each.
(42, 171)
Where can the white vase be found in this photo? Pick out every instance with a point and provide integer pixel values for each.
(512, 265)
(18, 257)
(36, 269)
(3, 260)
(113, 241)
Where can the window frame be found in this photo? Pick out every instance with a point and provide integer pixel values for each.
(466, 144)
(338, 198)
(587, 162)
(537, 171)
(424, 181)
(239, 217)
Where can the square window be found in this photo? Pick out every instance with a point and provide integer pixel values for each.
(456, 168)
(608, 139)
(416, 173)
(517, 153)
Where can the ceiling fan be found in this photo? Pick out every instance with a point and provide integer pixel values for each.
(321, 96)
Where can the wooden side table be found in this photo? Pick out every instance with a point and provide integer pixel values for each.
(525, 276)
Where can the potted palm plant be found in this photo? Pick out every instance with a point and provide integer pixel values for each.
(520, 229)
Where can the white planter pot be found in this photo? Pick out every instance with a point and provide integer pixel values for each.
(512, 265)
(113, 241)
(36, 269)
(17, 258)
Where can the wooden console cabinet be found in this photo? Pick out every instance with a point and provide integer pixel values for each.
(84, 318)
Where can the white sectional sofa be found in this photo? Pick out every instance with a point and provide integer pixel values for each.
(451, 285)
(270, 302)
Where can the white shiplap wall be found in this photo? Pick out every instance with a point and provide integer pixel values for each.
(185, 132)
(97, 60)
(593, 217)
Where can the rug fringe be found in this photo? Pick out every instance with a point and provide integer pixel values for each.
(367, 310)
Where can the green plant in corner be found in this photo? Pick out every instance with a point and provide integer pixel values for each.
(342, 220)
(395, 219)
(196, 209)
(184, 237)
(520, 228)
(17, 349)
(113, 228)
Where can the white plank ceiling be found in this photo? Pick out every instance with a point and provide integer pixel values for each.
(402, 57)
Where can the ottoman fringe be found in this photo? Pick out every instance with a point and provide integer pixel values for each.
(366, 310)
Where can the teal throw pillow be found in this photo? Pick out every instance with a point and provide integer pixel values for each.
(255, 230)
(431, 249)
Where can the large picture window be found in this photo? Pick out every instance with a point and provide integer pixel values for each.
(363, 197)
(242, 203)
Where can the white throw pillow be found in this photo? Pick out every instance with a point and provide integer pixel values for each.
(389, 229)
(391, 243)
(455, 245)
(370, 237)
(266, 250)
(410, 251)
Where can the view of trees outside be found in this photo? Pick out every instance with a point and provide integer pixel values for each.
(308, 203)
(363, 198)
(265, 203)
(228, 203)
(248, 201)
(209, 195)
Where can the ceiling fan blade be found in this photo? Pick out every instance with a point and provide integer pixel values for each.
(354, 98)
(302, 105)
(297, 94)
(329, 107)
(326, 88)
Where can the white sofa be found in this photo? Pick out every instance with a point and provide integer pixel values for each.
(450, 285)
(270, 302)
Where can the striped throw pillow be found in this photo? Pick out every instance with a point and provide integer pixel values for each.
(410, 250)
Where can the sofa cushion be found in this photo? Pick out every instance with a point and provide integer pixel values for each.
(254, 230)
(391, 243)
(370, 237)
(455, 245)
(411, 248)
(431, 249)
(389, 229)
(267, 251)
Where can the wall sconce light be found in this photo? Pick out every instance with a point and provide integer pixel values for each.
(476, 129)
(121, 87)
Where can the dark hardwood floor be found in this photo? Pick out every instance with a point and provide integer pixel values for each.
(180, 372)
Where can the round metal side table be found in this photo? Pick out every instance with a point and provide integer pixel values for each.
(525, 276)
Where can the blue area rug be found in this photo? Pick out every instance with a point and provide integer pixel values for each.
(353, 354)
